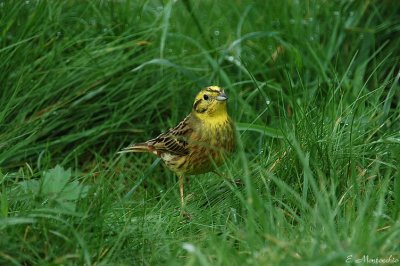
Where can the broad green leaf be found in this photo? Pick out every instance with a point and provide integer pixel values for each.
(55, 180)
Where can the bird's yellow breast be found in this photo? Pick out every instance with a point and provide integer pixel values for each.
(208, 145)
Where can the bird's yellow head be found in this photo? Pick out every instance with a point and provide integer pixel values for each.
(210, 104)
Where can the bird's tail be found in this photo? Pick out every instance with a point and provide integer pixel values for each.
(138, 147)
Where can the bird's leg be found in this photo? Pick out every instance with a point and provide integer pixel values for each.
(181, 192)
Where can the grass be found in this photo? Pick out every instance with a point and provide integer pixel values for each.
(313, 86)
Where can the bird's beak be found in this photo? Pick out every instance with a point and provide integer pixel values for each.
(222, 97)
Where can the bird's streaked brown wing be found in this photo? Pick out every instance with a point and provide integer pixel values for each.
(173, 141)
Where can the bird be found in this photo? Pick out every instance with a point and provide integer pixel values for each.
(199, 143)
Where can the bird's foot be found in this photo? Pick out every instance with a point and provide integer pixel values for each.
(186, 215)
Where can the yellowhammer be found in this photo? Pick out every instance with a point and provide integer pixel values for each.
(199, 142)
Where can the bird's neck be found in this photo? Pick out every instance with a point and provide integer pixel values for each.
(213, 119)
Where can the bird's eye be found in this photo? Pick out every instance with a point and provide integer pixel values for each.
(205, 97)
